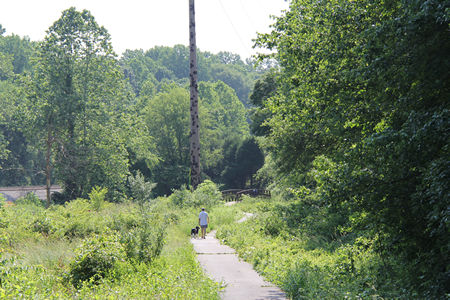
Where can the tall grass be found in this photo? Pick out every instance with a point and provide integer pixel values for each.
(42, 251)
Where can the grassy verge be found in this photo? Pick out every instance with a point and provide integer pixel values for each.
(303, 265)
(108, 251)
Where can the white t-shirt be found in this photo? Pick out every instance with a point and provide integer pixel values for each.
(203, 216)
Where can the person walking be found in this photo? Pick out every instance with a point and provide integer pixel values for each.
(203, 221)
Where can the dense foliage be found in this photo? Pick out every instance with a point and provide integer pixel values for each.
(353, 119)
(359, 123)
(85, 250)
(74, 114)
(292, 252)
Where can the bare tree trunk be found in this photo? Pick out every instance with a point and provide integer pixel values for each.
(194, 137)
(48, 168)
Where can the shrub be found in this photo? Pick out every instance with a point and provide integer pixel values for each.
(141, 190)
(43, 225)
(180, 197)
(272, 224)
(124, 220)
(97, 197)
(97, 258)
(206, 194)
(30, 199)
(143, 244)
(2, 201)
(80, 221)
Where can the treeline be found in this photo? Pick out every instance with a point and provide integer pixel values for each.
(75, 114)
(356, 121)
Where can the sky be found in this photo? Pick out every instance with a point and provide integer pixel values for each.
(221, 25)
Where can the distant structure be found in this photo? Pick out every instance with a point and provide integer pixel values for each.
(12, 193)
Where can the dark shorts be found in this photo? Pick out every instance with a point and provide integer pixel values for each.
(204, 226)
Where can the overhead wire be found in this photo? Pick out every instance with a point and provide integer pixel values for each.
(247, 15)
(250, 21)
(234, 28)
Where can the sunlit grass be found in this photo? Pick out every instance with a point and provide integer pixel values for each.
(51, 254)
(38, 247)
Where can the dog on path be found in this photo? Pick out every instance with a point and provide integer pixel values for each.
(194, 232)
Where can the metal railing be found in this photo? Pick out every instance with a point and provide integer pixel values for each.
(236, 194)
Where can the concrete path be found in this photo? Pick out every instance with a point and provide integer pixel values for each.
(240, 280)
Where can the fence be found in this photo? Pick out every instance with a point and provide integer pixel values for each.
(236, 194)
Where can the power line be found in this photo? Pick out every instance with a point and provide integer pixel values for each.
(234, 27)
(250, 19)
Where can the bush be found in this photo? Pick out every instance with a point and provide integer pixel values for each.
(32, 265)
(272, 224)
(30, 199)
(124, 220)
(206, 195)
(80, 221)
(43, 225)
(141, 190)
(2, 201)
(180, 197)
(97, 197)
(143, 244)
(98, 257)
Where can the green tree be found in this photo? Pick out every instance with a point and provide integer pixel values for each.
(223, 116)
(6, 66)
(366, 85)
(79, 101)
(167, 117)
(175, 59)
(243, 158)
(265, 88)
(19, 162)
(20, 49)
(138, 69)
(7, 106)
(171, 64)
(236, 77)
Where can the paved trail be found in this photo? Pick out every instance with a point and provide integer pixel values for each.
(239, 278)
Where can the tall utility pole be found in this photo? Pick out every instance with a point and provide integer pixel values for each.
(194, 137)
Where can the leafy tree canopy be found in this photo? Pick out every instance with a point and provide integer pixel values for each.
(366, 84)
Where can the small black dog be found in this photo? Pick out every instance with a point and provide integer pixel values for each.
(194, 232)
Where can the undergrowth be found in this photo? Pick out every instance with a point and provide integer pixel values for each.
(93, 249)
(305, 261)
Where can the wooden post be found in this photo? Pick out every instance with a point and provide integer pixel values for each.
(194, 137)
